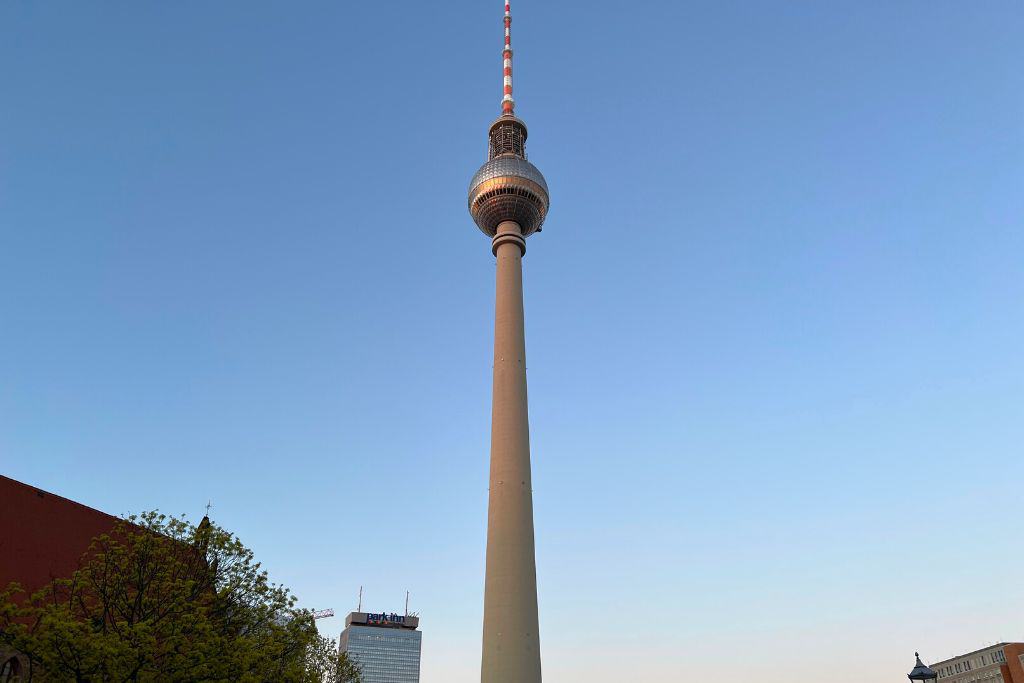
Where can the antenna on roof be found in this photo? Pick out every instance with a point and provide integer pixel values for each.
(360, 608)
(406, 603)
(508, 104)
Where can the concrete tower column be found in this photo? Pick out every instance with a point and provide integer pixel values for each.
(511, 649)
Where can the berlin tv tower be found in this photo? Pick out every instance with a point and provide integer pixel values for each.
(508, 199)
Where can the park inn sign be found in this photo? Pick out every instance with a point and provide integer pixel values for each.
(384, 618)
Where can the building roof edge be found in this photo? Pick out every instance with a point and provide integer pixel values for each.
(974, 652)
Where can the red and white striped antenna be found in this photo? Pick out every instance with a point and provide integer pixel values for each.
(508, 104)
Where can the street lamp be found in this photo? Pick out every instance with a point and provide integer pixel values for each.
(922, 672)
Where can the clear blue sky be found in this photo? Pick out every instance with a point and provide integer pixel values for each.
(775, 322)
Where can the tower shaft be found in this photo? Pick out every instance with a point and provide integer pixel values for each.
(511, 647)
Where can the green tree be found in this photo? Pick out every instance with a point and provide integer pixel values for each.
(347, 671)
(326, 664)
(159, 599)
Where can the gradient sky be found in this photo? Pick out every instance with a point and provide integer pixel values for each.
(775, 322)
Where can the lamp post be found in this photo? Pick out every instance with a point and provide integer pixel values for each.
(922, 672)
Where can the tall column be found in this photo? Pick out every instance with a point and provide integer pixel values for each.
(511, 652)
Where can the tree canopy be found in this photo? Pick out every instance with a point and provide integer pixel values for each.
(159, 598)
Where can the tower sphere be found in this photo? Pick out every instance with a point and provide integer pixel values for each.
(508, 187)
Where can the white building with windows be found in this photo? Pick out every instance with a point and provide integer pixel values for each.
(1001, 663)
(386, 647)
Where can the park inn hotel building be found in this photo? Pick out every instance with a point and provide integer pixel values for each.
(385, 646)
(1002, 663)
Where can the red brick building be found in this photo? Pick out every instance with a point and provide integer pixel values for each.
(43, 535)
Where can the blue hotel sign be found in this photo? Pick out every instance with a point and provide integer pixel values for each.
(384, 618)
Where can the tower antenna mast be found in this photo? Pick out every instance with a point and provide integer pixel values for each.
(508, 104)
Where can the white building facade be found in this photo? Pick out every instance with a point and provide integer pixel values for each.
(1001, 663)
(386, 647)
